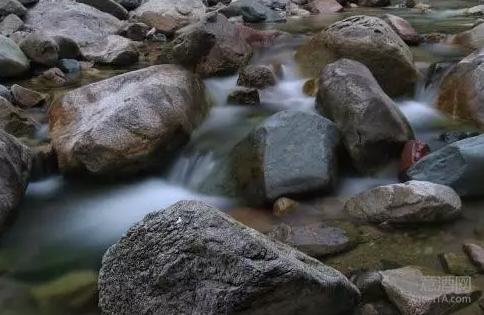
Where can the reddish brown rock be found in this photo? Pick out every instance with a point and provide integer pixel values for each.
(413, 151)
(323, 6)
(255, 37)
(403, 28)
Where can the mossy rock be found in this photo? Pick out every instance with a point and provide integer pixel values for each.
(457, 264)
(75, 291)
(310, 87)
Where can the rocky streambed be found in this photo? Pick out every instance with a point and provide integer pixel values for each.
(241, 157)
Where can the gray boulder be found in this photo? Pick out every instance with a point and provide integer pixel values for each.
(114, 50)
(79, 22)
(194, 259)
(252, 11)
(410, 202)
(129, 4)
(10, 25)
(127, 123)
(366, 39)
(5, 93)
(373, 127)
(15, 164)
(135, 31)
(108, 6)
(41, 49)
(211, 47)
(190, 10)
(13, 62)
(13, 121)
(11, 7)
(458, 165)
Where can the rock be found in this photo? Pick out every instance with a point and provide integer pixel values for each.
(476, 254)
(294, 10)
(211, 47)
(403, 28)
(11, 7)
(5, 93)
(114, 50)
(41, 49)
(458, 165)
(315, 241)
(292, 153)
(108, 6)
(284, 206)
(409, 3)
(127, 123)
(53, 76)
(368, 40)
(257, 77)
(68, 48)
(12, 60)
(75, 291)
(252, 11)
(44, 162)
(15, 163)
(404, 289)
(457, 265)
(437, 71)
(135, 31)
(454, 136)
(374, 129)
(461, 91)
(258, 38)
(378, 308)
(79, 22)
(369, 285)
(189, 10)
(165, 24)
(310, 87)
(15, 298)
(410, 202)
(10, 25)
(413, 151)
(244, 97)
(26, 98)
(172, 253)
(129, 4)
(13, 121)
(69, 66)
(373, 3)
(471, 39)
(323, 6)
(28, 2)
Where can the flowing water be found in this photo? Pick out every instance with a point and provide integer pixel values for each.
(65, 225)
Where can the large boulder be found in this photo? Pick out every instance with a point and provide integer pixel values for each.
(403, 28)
(252, 11)
(193, 259)
(366, 39)
(108, 6)
(15, 164)
(13, 62)
(11, 7)
(77, 21)
(373, 127)
(127, 123)
(190, 10)
(211, 47)
(410, 202)
(114, 50)
(459, 165)
(41, 49)
(461, 93)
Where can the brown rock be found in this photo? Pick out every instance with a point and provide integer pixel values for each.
(476, 254)
(257, 38)
(54, 76)
(323, 6)
(284, 206)
(403, 28)
(257, 77)
(164, 24)
(26, 98)
(40, 48)
(471, 39)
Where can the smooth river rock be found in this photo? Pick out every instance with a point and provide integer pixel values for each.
(409, 202)
(252, 11)
(113, 50)
(108, 6)
(190, 10)
(193, 259)
(41, 49)
(127, 123)
(256, 76)
(366, 39)
(459, 165)
(13, 62)
(373, 127)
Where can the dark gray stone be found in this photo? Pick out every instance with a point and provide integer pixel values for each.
(68, 48)
(194, 259)
(244, 97)
(5, 93)
(369, 285)
(374, 3)
(129, 4)
(108, 6)
(69, 66)
(252, 11)
(15, 122)
(459, 165)
(13, 62)
(382, 307)
(11, 7)
(41, 49)
(257, 77)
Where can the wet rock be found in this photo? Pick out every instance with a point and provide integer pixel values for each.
(369, 285)
(40, 49)
(13, 121)
(244, 97)
(79, 22)
(74, 291)
(44, 162)
(410, 202)
(10, 24)
(211, 47)
(284, 206)
(164, 24)
(437, 71)
(294, 10)
(291, 153)
(458, 165)
(26, 98)
(366, 39)
(68, 48)
(5, 93)
(257, 77)
(378, 308)
(404, 289)
(114, 50)
(413, 151)
(15, 163)
(127, 123)
(53, 76)
(108, 6)
(475, 254)
(457, 264)
(403, 28)
(257, 38)
(315, 241)
(374, 3)
(454, 136)
(129, 4)
(70, 66)
(135, 31)
(13, 62)
(471, 39)
(374, 129)
(323, 6)
(11, 7)
(248, 271)
(252, 11)
(189, 10)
